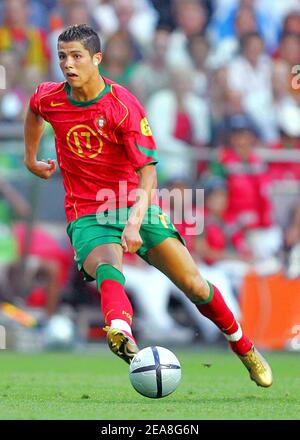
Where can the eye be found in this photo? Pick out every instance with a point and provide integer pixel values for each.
(61, 56)
(77, 56)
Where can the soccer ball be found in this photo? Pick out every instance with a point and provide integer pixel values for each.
(155, 372)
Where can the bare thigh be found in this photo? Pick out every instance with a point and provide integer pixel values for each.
(111, 253)
(173, 259)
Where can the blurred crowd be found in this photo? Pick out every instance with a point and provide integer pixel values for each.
(220, 82)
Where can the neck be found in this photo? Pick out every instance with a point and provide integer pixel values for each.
(90, 90)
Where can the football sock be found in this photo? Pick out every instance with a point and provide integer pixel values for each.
(215, 309)
(115, 304)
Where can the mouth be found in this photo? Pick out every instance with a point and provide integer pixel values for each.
(70, 75)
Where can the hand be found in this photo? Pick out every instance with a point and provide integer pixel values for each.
(43, 169)
(131, 239)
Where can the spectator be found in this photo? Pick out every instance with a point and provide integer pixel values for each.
(137, 18)
(191, 19)
(187, 214)
(118, 61)
(225, 50)
(17, 35)
(292, 243)
(151, 75)
(180, 121)
(288, 56)
(288, 120)
(223, 238)
(164, 9)
(47, 266)
(223, 245)
(223, 23)
(224, 102)
(47, 258)
(12, 99)
(11, 203)
(20, 84)
(248, 203)
(250, 75)
(37, 14)
(291, 24)
(198, 48)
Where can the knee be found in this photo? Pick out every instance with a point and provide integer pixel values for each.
(92, 267)
(196, 288)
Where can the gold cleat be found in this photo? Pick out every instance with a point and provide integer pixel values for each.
(259, 369)
(121, 344)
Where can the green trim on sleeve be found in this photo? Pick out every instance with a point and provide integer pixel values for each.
(147, 152)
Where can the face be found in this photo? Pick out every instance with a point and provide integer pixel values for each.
(242, 141)
(76, 63)
(217, 201)
(290, 49)
(16, 13)
(191, 17)
(292, 24)
(253, 49)
(118, 50)
(124, 10)
(245, 22)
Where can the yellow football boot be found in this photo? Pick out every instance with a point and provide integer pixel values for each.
(259, 369)
(121, 343)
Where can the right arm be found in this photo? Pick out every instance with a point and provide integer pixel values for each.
(33, 130)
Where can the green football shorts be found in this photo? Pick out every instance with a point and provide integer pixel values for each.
(90, 231)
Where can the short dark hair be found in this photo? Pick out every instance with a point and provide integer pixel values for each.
(83, 33)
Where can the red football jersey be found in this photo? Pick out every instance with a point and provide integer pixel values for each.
(100, 145)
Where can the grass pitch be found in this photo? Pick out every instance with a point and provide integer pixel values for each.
(215, 385)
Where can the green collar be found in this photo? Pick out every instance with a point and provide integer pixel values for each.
(85, 103)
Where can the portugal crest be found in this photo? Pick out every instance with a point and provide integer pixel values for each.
(101, 121)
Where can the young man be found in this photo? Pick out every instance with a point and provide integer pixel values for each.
(102, 139)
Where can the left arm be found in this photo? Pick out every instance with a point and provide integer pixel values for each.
(141, 152)
(131, 239)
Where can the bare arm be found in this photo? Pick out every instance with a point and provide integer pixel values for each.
(33, 131)
(131, 239)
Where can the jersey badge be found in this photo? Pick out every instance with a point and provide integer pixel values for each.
(101, 121)
(145, 128)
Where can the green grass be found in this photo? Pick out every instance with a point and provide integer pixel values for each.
(89, 386)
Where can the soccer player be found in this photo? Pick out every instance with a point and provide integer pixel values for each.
(107, 157)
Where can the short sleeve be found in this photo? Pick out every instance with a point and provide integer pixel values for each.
(34, 102)
(137, 137)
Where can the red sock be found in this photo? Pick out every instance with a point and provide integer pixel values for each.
(219, 313)
(114, 302)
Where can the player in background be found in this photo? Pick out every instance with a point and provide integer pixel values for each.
(103, 138)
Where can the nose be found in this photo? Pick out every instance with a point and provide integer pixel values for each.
(68, 62)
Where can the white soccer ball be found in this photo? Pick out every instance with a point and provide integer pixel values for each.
(155, 372)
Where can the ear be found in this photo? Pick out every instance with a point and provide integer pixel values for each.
(97, 58)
